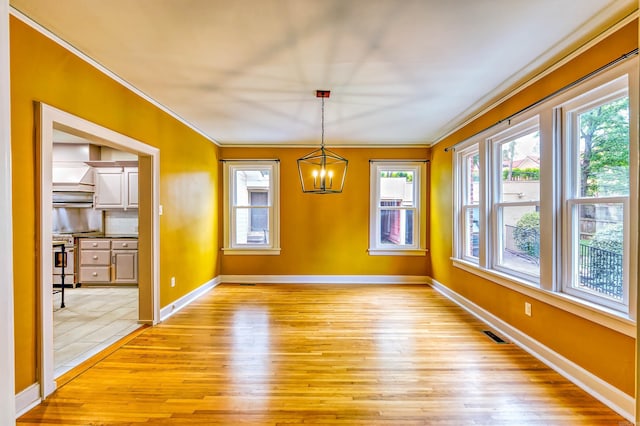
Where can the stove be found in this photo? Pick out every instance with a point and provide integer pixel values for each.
(68, 241)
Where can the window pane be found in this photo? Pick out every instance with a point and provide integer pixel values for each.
(471, 175)
(598, 244)
(396, 227)
(249, 181)
(471, 232)
(396, 188)
(603, 163)
(520, 159)
(252, 226)
(520, 239)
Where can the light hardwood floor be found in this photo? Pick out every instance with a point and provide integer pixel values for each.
(348, 355)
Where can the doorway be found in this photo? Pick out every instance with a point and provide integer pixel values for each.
(51, 119)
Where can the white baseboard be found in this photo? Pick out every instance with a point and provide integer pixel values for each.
(325, 279)
(180, 303)
(609, 395)
(27, 399)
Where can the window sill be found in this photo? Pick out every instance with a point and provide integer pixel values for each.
(251, 251)
(397, 252)
(606, 317)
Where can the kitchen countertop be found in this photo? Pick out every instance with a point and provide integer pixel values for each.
(103, 235)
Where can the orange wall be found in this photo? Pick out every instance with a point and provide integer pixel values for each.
(325, 234)
(605, 353)
(43, 71)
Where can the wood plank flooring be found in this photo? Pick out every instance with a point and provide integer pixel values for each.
(312, 354)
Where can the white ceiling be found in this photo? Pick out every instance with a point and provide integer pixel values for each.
(400, 71)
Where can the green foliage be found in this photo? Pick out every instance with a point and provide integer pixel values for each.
(527, 234)
(604, 159)
(609, 238)
(390, 174)
(522, 174)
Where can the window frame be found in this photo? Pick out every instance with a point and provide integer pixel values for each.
(418, 247)
(463, 178)
(498, 204)
(230, 207)
(553, 205)
(569, 112)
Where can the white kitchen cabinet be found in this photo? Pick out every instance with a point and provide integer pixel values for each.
(95, 260)
(125, 266)
(108, 260)
(116, 188)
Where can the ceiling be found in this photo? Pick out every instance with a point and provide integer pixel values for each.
(401, 72)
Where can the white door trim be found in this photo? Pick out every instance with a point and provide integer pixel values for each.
(51, 118)
(7, 357)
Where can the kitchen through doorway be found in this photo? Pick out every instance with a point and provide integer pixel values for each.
(98, 192)
(95, 218)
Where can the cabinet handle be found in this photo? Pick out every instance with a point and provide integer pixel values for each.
(95, 274)
(125, 245)
(94, 245)
(95, 257)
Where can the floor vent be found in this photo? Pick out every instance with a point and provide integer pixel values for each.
(494, 336)
(247, 284)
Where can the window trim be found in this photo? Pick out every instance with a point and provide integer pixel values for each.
(497, 204)
(229, 207)
(418, 248)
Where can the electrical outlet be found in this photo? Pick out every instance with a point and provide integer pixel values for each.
(173, 281)
(160, 209)
(527, 309)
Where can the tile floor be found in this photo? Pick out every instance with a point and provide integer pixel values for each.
(93, 319)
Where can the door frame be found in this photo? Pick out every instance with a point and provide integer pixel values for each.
(7, 355)
(50, 118)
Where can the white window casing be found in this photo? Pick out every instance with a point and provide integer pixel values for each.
(251, 223)
(398, 207)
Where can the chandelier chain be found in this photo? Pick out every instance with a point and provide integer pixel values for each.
(322, 135)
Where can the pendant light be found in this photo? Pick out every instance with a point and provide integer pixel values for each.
(322, 171)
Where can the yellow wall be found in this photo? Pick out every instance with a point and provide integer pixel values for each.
(43, 71)
(325, 234)
(605, 353)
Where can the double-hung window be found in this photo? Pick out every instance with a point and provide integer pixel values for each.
(596, 204)
(251, 206)
(398, 208)
(515, 209)
(469, 219)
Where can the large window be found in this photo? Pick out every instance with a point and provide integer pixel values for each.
(545, 200)
(470, 204)
(252, 207)
(516, 200)
(398, 209)
(597, 186)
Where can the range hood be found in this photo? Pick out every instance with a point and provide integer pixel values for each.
(75, 199)
(72, 176)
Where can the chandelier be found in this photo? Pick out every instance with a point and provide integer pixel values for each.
(322, 171)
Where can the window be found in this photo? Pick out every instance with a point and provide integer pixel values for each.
(470, 204)
(597, 201)
(251, 207)
(398, 210)
(547, 201)
(516, 200)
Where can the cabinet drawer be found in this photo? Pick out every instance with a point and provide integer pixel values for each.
(95, 244)
(131, 244)
(96, 274)
(95, 257)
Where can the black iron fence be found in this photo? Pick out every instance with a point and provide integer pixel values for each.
(600, 270)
